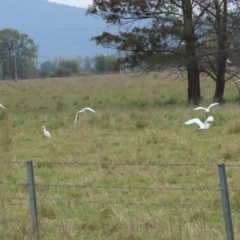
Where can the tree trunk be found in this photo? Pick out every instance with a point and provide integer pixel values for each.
(219, 91)
(194, 93)
(221, 30)
(220, 83)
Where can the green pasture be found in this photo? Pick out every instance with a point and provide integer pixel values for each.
(133, 170)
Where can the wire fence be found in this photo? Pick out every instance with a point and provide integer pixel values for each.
(118, 210)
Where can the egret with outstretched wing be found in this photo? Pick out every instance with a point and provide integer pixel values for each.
(83, 111)
(207, 109)
(201, 125)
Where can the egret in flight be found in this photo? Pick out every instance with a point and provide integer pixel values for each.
(207, 109)
(202, 125)
(46, 133)
(83, 111)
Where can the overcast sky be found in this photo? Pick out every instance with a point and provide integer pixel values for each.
(76, 3)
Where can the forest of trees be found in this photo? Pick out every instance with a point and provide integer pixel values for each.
(18, 57)
(59, 67)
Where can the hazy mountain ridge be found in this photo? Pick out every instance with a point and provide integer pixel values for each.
(59, 30)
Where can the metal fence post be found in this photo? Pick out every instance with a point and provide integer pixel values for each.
(33, 201)
(225, 201)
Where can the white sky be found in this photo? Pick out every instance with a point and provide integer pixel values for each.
(75, 3)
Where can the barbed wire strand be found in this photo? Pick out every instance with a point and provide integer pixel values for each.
(124, 164)
(120, 187)
(112, 203)
(117, 164)
(114, 187)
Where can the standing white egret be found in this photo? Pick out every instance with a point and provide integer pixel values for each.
(46, 133)
(207, 109)
(83, 111)
(202, 125)
(2, 106)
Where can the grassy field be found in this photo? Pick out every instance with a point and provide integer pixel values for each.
(133, 170)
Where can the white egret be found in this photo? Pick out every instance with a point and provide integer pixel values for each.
(83, 111)
(46, 133)
(207, 109)
(2, 106)
(202, 125)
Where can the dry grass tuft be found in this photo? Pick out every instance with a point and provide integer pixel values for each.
(6, 137)
(231, 151)
(234, 128)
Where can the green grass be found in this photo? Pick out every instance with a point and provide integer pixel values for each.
(116, 195)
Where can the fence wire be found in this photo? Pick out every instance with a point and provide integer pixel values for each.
(124, 164)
